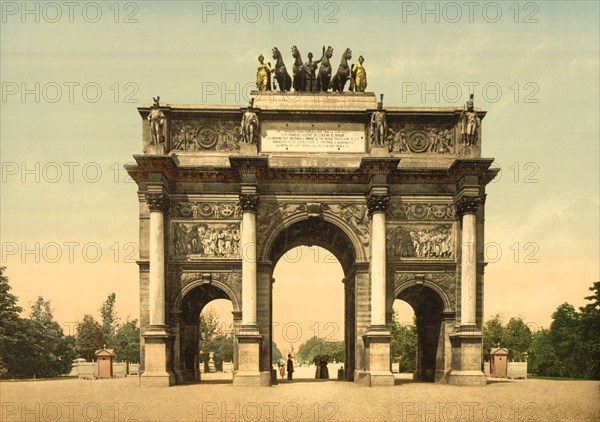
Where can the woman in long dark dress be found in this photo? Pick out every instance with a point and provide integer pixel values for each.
(323, 366)
(317, 362)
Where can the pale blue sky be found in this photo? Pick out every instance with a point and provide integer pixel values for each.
(173, 53)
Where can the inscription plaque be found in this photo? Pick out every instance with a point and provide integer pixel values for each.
(312, 137)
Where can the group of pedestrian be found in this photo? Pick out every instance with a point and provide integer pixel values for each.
(322, 372)
(321, 363)
(290, 368)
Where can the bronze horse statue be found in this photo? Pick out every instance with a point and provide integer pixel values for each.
(339, 80)
(324, 77)
(299, 71)
(281, 75)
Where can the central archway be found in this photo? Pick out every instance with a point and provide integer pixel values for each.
(329, 236)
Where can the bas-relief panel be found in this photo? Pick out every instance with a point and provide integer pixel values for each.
(421, 241)
(205, 240)
(205, 135)
(434, 137)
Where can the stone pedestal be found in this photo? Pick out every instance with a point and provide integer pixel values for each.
(248, 149)
(467, 345)
(379, 151)
(249, 343)
(377, 342)
(211, 362)
(157, 372)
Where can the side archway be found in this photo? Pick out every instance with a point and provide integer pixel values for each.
(431, 306)
(188, 306)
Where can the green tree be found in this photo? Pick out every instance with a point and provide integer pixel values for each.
(564, 339)
(127, 342)
(276, 354)
(209, 326)
(542, 360)
(493, 335)
(222, 345)
(11, 327)
(89, 337)
(589, 335)
(110, 322)
(214, 338)
(517, 339)
(45, 351)
(403, 344)
(309, 349)
(317, 347)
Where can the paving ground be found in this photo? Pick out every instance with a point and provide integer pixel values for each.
(301, 400)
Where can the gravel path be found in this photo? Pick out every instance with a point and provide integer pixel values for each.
(301, 400)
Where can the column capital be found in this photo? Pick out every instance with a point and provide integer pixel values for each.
(157, 202)
(248, 202)
(468, 204)
(377, 203)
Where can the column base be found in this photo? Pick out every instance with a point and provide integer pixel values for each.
(377, 348)
(247, 379)
(157, 372)
(179, 377)
(248, 373)
(441, 376)
(476, 378)
(467, 347)
(157, 379)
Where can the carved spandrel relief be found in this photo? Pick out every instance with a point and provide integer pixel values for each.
(272, 214)
(206, 240)
(356, 216)
(421, 241)
(208, 210)
(413, 137)
(421, 211)
(210, 135)
(233, 280)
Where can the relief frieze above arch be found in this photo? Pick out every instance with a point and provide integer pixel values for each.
(205, 240)
(421, 241)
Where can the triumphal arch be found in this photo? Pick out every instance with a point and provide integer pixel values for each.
(397, 194)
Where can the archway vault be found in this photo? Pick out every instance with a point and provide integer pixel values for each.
(341, 228)
(229, 284)
(314, 232)
(442, 284)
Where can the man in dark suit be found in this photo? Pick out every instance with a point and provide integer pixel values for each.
(290, 367)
